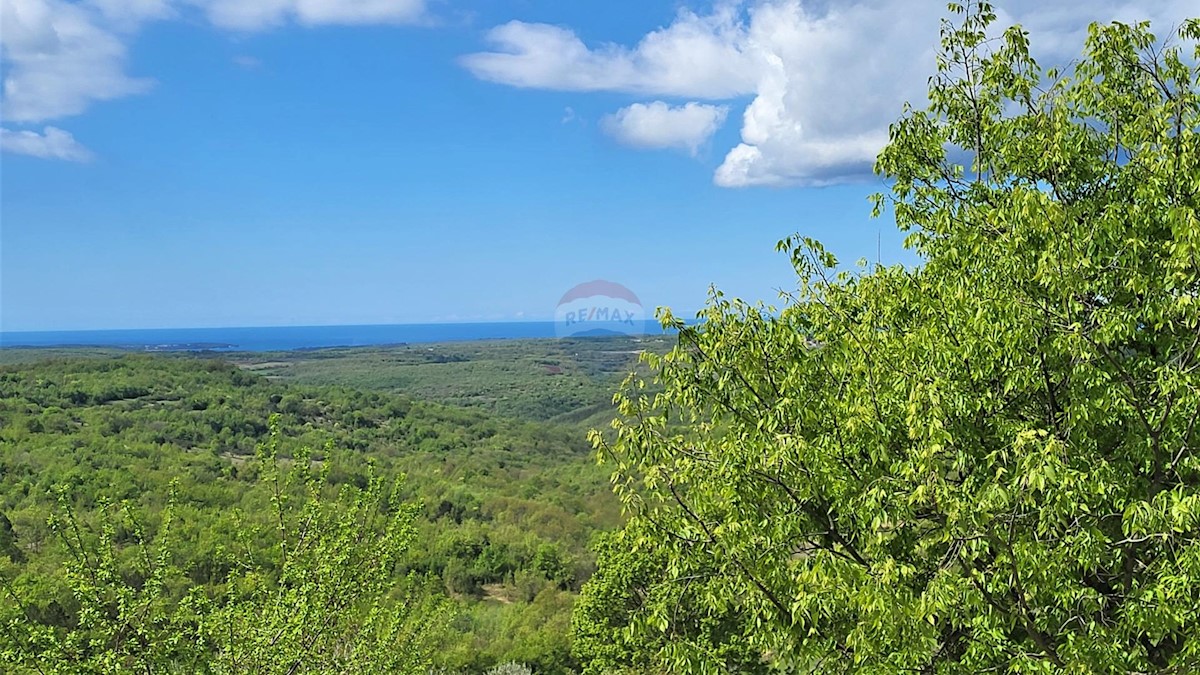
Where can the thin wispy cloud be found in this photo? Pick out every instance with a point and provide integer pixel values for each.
(260, 14)
(49, 143)
(247, 62)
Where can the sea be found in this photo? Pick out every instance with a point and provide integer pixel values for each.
(285, 338)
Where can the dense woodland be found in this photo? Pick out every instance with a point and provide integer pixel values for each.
(507, 508)
(984, 463)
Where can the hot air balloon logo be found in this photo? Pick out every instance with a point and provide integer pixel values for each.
(599, 308)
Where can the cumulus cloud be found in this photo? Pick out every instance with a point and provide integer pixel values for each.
(59, 59)
(824, 78)
(658, 125)
(51, 143)
(696, 56)
(60, 56)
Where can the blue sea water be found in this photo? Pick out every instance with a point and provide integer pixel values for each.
(281, 338)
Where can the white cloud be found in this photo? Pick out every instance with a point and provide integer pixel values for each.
(658, 125)
(59, 56)
(696, 56)
(59, 59)
(259, 14)
(52, 143)
(826, 78)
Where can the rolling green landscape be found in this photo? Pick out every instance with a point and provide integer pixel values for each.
(509, 504)
(987, 461)
(565, 382)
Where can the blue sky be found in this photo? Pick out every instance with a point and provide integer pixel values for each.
(393, 161)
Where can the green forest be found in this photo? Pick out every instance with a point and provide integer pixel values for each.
(507, 508)
(984, 462)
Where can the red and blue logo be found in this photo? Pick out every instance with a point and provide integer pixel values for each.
(599, 308)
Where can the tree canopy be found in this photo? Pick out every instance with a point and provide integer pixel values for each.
(139, 521)
(983, 462)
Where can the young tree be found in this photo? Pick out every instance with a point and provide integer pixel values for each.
(986, 462)
(617, 625)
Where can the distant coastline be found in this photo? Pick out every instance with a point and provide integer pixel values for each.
(165, 347)
(283, 338)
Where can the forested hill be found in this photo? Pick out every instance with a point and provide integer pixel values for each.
(508, 507)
